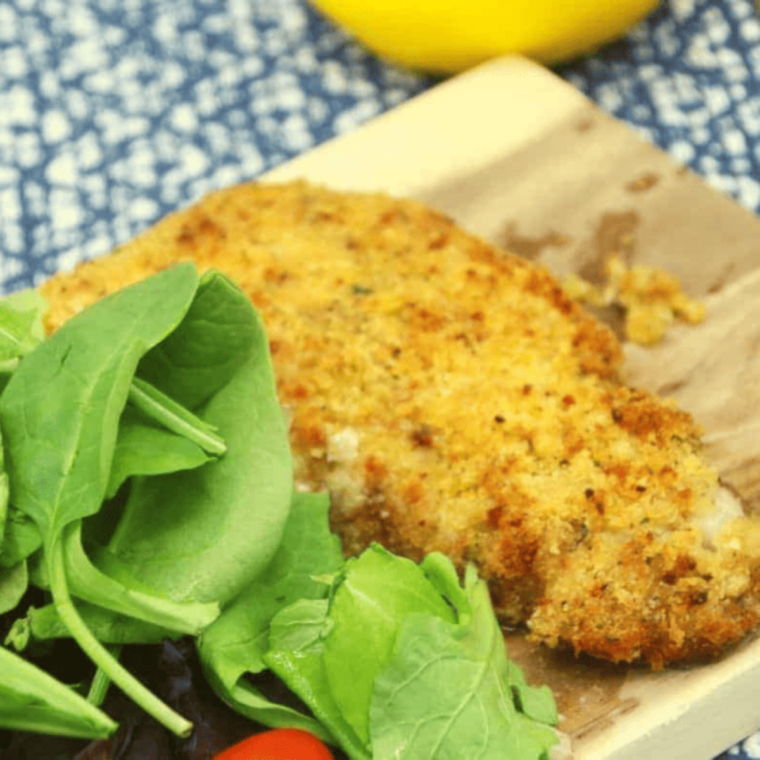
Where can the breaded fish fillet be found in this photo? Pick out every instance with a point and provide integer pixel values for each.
(453, 398)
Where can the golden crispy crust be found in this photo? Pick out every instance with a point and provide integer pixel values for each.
(453, 398)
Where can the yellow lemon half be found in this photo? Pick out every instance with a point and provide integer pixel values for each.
(446, 36)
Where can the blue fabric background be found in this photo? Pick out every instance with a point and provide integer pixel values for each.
(115, 112)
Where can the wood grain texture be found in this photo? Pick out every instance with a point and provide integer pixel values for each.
(515, 154)
(714, 372)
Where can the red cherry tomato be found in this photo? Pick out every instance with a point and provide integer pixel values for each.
(280, 744)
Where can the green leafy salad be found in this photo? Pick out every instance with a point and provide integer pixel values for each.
(147, 489)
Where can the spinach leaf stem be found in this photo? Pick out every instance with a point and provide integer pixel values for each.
(101, 656)
(101, 682)
(173, 416)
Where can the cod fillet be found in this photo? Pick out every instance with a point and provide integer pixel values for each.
(452, 397)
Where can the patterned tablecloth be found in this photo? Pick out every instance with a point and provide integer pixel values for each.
(115, 112)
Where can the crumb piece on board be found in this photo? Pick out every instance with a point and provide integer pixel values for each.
(652, 299)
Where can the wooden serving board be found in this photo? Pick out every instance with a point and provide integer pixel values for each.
(515, 154)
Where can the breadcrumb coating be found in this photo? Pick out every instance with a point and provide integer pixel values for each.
(452, 397)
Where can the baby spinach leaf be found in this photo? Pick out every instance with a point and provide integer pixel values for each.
(19, 635)
(377, 592)
(192, 357)
(301, 627)
(4, 509)
(14, 576)
(91, 585)
(60, 410)
(21, 329)
(13, 584)
(22, 538)
(330, 651)
(434, 701)
(535, 702)
(109, 627)
(204, 534)
(144, 449)
(3, 503)
(214, 340)
(235, 643)
(100, 654)
(449, 692)
(59, 415)
(482, 639)
(31, 700)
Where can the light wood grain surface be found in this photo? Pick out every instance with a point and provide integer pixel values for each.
(515, 154)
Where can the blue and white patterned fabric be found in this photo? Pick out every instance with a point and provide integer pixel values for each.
(115, 112)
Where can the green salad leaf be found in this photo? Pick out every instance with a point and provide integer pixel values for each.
(143, 448)
(31, 700)
(174, 548)
(296, 656)
(14, 574)
(377, 592)
(61, 408)
(13, 584)
(21, 538)
(204, 534)
(482, 706)
(21, 328)
(44, 623)
(403, 662)
(3, 501)
(234, 645)
(88, 583)
(59, 414)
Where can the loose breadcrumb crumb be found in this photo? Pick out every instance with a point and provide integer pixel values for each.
(652, 299)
